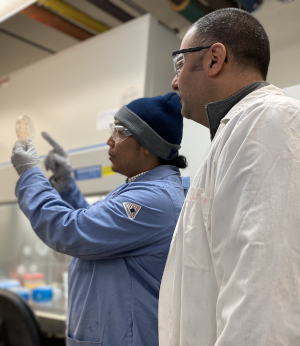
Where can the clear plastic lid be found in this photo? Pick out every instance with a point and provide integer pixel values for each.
(5, 284)
(24, 128)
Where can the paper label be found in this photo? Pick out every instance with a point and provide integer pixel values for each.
(105, 118)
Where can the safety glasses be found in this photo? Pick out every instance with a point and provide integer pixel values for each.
(178, 57)
(119, 133)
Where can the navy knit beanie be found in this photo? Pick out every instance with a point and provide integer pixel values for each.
(156, 123)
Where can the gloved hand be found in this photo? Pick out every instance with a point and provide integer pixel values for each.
(59, 163)
(24, 156)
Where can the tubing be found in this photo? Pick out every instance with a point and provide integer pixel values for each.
(112, 9)
(46, 17)
(218, 4)
(71, 12)
(190, 9)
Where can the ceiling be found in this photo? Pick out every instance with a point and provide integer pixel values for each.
(24, 40)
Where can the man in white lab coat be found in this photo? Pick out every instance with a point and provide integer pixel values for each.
(233, 272)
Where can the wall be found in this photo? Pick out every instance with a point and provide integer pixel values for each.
(160, 70)
(16, 53)
(293, 91)
(282, 24)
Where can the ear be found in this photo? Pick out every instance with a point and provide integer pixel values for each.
(218, 56)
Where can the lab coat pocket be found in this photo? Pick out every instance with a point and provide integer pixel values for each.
(196, 251)
(84, 265)
(74, 342)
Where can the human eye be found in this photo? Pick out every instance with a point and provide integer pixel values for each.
(121, 129)
(179, 61)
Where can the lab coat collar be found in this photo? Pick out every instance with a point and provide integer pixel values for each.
(269, 89)
(158, 173)
(216, 111)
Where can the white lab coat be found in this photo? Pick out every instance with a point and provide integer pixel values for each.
(232, 276)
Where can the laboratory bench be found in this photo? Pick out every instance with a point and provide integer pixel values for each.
(51, 317)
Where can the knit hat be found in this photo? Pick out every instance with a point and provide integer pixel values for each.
(156, 123)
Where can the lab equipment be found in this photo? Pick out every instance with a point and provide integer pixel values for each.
(24, 128)
(22, 292)
(42, 294)
(33, 280)
(7, 284)
(65, 283)
(15, 286)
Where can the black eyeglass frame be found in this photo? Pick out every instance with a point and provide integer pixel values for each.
(189, 50)
(195, 49)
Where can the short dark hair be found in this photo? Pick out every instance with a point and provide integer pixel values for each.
(241, 34)
(180, 162)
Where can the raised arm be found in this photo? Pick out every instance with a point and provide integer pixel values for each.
(58, 161)
(104, 230)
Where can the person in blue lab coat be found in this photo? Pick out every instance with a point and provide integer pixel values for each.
(120, 244)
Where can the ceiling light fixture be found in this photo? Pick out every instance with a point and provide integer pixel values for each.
(8, 7)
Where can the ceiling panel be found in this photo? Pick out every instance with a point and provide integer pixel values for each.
(37, 32)
(15, 54)
(130, 10)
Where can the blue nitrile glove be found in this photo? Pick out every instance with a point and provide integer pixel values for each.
(24, 156)
(59, 163)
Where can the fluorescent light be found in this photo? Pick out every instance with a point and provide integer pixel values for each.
(10, 7)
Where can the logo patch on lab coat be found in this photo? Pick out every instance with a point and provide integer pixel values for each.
(131, 209)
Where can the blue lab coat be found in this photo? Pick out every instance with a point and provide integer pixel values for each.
(118, 261)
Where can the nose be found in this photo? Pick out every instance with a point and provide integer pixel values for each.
(174, 83)
(110, 142)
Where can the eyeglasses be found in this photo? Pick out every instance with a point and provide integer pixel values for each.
(119, 133)
(178, 57)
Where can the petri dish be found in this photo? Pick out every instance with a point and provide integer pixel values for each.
(24, 128)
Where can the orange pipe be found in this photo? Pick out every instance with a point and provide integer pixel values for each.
(46, 17)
